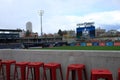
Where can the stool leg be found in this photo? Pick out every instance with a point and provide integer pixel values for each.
(53, 72)
(0, 67)
(61, 73)
(67, 75)
(27, 73)
(110, 78)
(44, 73)
(118, 75)
(37, 73)
(93, 77)
(79, 72)
(85, 74)
(15, 73)
(23, 70)
(2, 71)
(8, 71)
(73, 75)
(32, 71)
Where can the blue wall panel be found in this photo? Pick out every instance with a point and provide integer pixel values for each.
(83, 44)
(109, 44)
(95, 43)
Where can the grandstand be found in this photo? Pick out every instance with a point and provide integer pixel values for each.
(9, 38)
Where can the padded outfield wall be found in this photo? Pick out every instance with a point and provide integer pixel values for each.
(110, 43)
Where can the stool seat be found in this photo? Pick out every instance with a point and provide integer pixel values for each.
(34, 64)
(21, 63)
(101, 73)
(76, 66)
(52, 65)
(8, 61)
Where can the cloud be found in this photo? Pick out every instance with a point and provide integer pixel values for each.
(110, 17)
(69, 22)
(58, 14)
(6, 2)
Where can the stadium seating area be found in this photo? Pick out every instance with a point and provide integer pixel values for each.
(11, 46)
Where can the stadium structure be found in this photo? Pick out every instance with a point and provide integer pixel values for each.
(11, 39)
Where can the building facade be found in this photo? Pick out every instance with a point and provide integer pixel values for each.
(29, 26)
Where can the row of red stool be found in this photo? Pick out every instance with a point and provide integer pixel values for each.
(35, 65)
(73, 68)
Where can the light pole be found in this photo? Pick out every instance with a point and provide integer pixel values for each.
(41, 14)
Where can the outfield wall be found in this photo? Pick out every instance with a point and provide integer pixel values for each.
(109, 43)
(92, 59)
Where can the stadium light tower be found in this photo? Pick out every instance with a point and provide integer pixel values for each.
(41, 12)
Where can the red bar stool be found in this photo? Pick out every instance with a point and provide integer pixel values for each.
(36, 66)
(8, 64)
(53, 67)
(101, 73)
(22, 66)
(76, 68)
(119, 74)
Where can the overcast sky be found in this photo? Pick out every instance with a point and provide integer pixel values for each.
(58, 14)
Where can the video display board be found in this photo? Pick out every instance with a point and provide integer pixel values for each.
(85, 32)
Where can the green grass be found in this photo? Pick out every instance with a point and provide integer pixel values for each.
(82, 48)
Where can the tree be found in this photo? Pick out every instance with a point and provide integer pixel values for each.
(64, 32)
(60, 32)
(28, 33)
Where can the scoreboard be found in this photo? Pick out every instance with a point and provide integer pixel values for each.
(84, 32)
